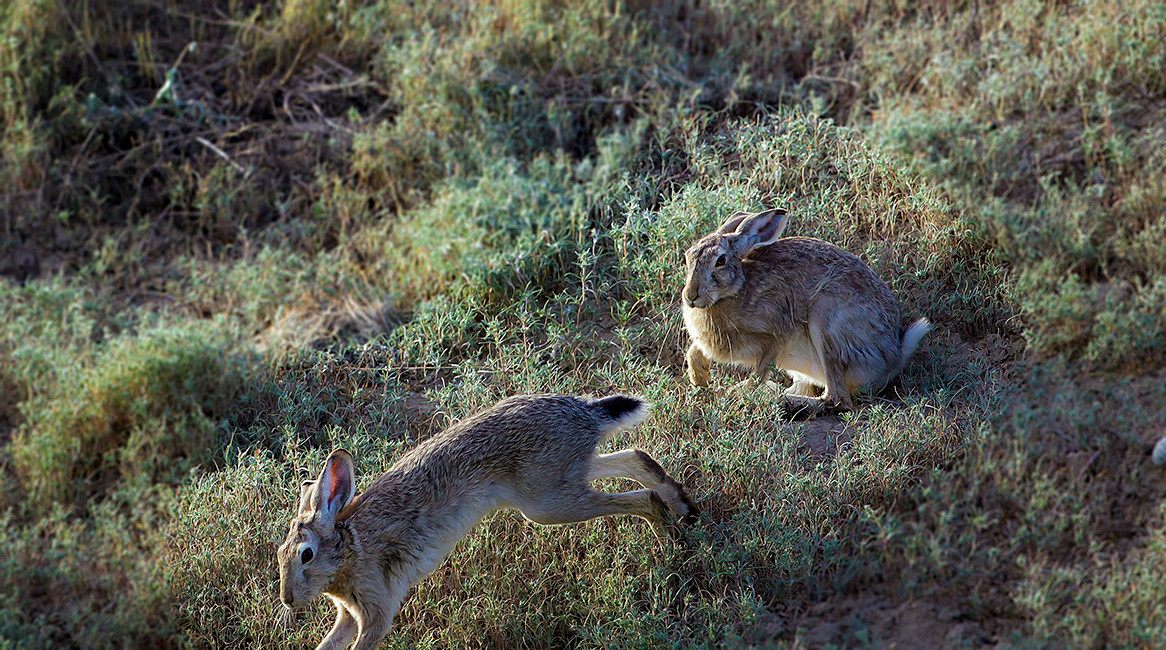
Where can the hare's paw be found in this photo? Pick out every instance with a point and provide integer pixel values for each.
(743, 386)
(659, 519)
(796, 407)
(685, 511)
(802, 389)
(698, 377)
(698, 366)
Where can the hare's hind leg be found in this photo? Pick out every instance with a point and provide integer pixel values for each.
(586, 503)
(836, 397)
(643, 469)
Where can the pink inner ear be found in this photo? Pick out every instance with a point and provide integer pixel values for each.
(334, 482)
(769, 228)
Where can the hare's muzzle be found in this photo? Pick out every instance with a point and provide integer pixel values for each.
(691, 296)
(285, 595)
(697, 302)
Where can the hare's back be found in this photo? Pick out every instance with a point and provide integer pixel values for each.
(818, 269)
(505, 437)
(537, 420)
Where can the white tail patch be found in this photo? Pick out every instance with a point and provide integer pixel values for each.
(913, 335)
(1159, 456)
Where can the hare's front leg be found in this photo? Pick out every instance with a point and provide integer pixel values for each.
(343, 631)
(763, 373)
(384, 600)
(698, 366)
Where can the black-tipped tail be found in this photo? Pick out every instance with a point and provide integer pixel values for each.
(623, 411)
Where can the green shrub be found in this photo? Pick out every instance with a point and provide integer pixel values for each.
(93, 583)
(147, 409)
(1053, 150)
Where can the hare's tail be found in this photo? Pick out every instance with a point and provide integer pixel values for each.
(621, 411)
(1159, 455)
(912, 336)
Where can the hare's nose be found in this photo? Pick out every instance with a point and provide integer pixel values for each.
(690, 297)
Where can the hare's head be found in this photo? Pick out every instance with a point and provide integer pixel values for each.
(311, 555)
(714, 262)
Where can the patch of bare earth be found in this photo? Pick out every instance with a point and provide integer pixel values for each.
(422, 413)
(873, 620)
(823, 436)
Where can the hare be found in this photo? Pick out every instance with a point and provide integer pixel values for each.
(534, 453)
(816, 311)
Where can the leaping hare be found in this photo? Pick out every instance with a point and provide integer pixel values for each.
(816, 311)
(535, 453)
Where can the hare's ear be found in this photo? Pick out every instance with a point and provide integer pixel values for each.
(335, 487)
(730, 226)
(306, 494)
(761, 229)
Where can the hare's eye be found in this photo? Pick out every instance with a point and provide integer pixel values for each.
(721, 260)
(306, 556)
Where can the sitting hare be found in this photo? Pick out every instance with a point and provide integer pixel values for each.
(816, 311)
(535, 453)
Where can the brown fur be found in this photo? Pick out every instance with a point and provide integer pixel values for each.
(535, 453)
(816, 311)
